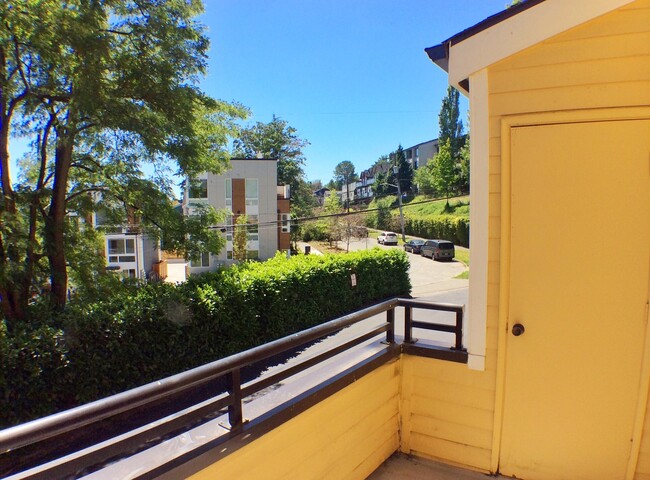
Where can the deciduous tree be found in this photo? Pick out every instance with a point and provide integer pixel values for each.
(73, 74)
(443, 170)
(344, 174)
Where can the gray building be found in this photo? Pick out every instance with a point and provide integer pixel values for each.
(420, 154)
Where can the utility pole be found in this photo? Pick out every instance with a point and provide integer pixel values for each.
(399, 200)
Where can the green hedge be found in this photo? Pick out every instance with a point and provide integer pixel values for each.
(447, 227)
(128, 340)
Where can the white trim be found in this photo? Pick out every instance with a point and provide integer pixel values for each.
(478, 219)
(522, 31)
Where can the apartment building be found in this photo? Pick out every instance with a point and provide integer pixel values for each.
(420, 154)
(248, 188)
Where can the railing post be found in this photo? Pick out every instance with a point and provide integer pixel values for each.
(235, 415)
(459, 328)
(408, 324)
(390, 318)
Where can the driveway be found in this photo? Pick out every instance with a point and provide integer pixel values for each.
(427, 276)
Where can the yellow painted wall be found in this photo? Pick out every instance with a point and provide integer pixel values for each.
(604, 63)
(447, 411)
(346, 436)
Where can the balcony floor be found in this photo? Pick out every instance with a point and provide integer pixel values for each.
(408, 467)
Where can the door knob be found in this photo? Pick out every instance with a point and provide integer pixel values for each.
(518, 329)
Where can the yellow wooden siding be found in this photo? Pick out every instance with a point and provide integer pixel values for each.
(346, 436)
(604, 63)
(450, 411)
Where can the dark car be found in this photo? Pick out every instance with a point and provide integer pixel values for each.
(438, 249)
(413, 246)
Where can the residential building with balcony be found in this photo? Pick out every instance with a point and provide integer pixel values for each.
(248, 188)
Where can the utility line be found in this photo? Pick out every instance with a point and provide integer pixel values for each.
(298, 220)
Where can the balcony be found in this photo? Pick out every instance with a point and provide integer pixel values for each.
(355, 394)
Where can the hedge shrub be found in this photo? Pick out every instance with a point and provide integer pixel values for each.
(447, 227)
(131, 339)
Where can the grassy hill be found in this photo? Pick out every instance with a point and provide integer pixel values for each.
(424, 206)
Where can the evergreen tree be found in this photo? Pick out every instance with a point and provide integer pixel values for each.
(405, 171)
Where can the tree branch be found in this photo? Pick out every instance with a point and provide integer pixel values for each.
(86, 190)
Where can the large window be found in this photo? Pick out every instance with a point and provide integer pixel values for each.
(202, 261)
(253, 227)
(121, 250)
(228, 192)
(252, 192)
(199, 188)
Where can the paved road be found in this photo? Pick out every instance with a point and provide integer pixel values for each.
(427, 276)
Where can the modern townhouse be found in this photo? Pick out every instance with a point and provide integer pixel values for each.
(248, 188)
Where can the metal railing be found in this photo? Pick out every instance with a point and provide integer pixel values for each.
(34, 443)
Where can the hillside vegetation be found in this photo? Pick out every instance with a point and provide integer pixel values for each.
(424, 217)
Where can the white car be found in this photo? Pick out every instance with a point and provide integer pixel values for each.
(387, 238)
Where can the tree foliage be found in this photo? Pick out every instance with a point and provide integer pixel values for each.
(404, 172)
(443, 171)
(424, 179)
(386, 180)
(335, 225)
(100, 89)
(240, 238)
(451, 127)
(344, 174)
(278, 140)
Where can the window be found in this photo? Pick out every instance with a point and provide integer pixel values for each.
(253, 227)
(286, 222)
(228, 192)
(252, 193)
(199, 188)
(202, 261)
(121, 245)
(252, 254)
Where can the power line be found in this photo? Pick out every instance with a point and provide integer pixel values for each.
(298, 220)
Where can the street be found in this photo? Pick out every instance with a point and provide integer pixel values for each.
(428, 277)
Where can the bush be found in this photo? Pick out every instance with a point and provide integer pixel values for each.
(137, 336)
(448, 227)
(314, 231)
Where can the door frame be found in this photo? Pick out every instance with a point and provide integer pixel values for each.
(539, 119)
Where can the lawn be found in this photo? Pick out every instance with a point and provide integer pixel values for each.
(462, 255)
(423, 206)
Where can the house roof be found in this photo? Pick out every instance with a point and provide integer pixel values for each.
(439, 54)
(510, 32)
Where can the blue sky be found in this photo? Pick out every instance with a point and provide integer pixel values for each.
(350, 75)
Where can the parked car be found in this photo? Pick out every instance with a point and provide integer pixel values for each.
(438, 249)
(413, 246)
(387, 238)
